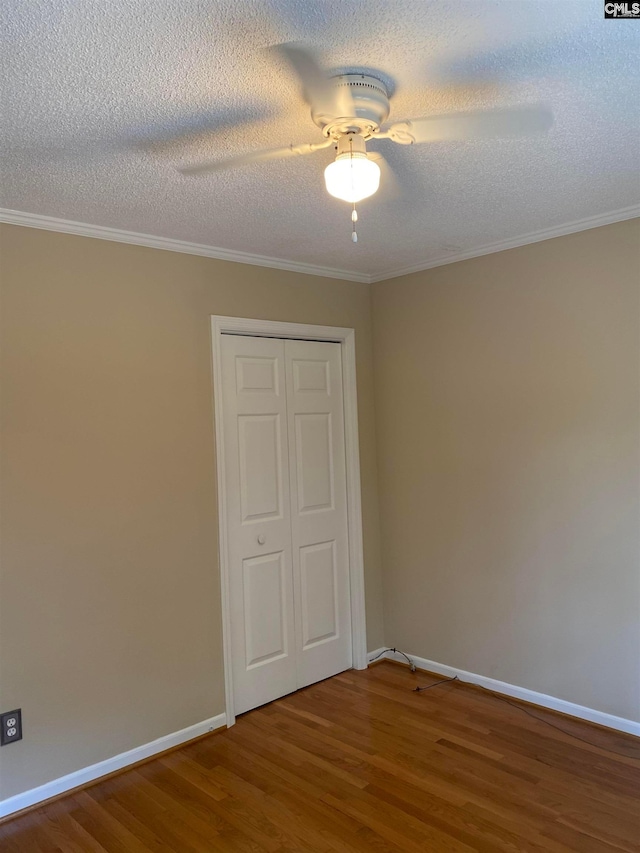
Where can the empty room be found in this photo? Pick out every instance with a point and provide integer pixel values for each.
(320, 426)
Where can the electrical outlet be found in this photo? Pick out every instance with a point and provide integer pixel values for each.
(10, 726)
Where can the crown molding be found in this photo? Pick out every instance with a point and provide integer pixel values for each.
(101, 232)
(515, 242)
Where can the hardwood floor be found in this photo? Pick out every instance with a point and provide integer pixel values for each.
(362, 763)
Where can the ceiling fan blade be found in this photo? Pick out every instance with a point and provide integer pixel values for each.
(488, 124)
(389, 186)
(251, 157)
(322, 96)
(194, 130)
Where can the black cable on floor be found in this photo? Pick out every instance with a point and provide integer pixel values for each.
(530, 714)
(397, 652)
(435, 684)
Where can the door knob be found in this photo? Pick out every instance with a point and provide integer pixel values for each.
(261, 539)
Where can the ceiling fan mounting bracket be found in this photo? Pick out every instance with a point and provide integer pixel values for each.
(349, 125)
(369, 105)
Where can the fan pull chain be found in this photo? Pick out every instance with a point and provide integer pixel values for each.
(354, 212)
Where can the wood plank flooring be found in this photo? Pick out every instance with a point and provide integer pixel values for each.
(361, 763)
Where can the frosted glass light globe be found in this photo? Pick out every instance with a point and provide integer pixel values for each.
(352, 177)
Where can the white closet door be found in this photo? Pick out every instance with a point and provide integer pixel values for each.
(258, 520)
(318, 509)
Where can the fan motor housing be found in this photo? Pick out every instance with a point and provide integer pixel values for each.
(370, 102)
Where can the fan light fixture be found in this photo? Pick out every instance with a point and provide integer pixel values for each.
(349, 108)
(352, 176)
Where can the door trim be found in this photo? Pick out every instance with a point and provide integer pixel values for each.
(297, 331)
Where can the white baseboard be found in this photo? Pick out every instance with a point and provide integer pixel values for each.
(139, 753)
(109, 765)
(609, 720)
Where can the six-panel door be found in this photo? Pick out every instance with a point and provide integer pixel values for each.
(286, 515)
(256, 459)
(318, 509)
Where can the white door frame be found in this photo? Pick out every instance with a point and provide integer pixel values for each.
(301, 331)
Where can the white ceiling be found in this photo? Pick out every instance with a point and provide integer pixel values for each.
(91, 88)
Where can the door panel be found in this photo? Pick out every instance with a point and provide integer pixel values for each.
(265, 624)
(258, 520)
(309, 375)
(256, 374)
(283, 432)
(319, 588)
(319, 509)
(259, 447)
(314, 461)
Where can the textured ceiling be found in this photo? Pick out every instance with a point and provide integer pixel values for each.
(94, 92)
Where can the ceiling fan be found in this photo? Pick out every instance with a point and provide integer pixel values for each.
(351, 109)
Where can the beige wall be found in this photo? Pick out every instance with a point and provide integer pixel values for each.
(507, 393)
(507, 399)
(110, 612)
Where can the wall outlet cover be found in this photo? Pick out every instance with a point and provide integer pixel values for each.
(10, 726)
